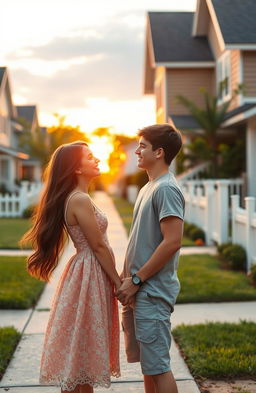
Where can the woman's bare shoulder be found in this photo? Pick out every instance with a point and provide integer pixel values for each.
(81, 199)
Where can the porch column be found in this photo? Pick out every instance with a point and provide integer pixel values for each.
(251, 158)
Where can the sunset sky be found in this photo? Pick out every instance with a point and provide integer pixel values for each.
(81, 59)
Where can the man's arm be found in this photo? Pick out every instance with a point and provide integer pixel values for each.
(172, 230)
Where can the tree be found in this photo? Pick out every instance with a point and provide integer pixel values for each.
(41, 146)
(210, 119)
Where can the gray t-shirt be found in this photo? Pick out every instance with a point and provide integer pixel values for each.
(159, 198)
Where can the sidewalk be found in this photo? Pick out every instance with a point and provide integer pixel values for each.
(22, 373)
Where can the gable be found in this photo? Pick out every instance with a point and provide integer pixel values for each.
(237, 20)
(233, 21)
(172, 39)
(5, 92)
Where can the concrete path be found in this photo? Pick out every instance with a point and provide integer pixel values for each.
(22, 373)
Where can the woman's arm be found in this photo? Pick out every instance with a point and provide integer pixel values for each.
(84, 213)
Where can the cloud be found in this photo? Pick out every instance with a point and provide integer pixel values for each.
(110, 39)
(114, 69)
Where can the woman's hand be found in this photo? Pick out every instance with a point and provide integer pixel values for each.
(117, 284)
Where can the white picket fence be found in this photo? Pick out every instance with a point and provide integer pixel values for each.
(208, 206)
(244, 227)
(13, 204)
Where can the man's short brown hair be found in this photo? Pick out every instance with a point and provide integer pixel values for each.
(165, 136)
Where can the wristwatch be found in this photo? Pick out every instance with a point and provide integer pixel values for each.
(136, 280)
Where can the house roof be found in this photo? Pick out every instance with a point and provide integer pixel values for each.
(184, 122)
(27, 112)
(236, 20)
(13, 152)
(241, 109)
(187, 122)
(173, 41)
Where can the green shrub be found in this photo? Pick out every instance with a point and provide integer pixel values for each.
(221, 247)
(197, 233)
(28, 212)
(190, 228)
(236, 256)
(253, 274)
(193, 231)
(185, 227)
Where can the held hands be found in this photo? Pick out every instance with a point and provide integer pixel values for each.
(127, 291)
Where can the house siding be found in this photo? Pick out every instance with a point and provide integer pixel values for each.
(235, 76)
(5, 119)
(249, 73)
(187, 82)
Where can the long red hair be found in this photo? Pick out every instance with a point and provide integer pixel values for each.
(48, 232)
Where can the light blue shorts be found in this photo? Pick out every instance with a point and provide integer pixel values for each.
(147, 333)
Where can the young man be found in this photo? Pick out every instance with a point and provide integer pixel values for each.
(150, 268)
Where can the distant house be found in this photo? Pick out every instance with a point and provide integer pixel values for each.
(27, 115)
(185, 51)
(15, 164)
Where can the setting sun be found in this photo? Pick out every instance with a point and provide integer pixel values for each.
(101, 147)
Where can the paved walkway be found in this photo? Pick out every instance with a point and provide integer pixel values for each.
(22, 373)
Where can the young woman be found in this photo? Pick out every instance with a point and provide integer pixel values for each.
(81, 348)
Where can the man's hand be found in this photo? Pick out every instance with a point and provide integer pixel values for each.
(126, 291)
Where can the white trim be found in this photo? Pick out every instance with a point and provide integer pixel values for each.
(216, 25)
(241, 116)
(224, 60)
(241, 46)
(151, 47)
(195, 20)
(187, 64)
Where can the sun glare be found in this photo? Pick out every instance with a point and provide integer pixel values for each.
(101, 148)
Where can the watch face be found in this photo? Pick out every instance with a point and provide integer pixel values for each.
(136, 280)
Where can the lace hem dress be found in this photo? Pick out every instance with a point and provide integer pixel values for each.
(82, 338)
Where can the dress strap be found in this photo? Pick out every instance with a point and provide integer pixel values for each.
(67, 202)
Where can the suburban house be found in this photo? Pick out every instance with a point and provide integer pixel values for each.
(185, 51)
(15, 164)
(20, 174)
(28, 117)
(212, 48)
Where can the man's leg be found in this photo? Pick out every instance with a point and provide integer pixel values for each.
(152, 326)
(149, 384)
(131, 345)
(165, 383)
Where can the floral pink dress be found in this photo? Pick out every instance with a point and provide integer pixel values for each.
(82, 337)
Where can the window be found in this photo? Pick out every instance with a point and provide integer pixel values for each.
(223, 77)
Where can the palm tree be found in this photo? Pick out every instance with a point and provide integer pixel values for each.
(210, 119)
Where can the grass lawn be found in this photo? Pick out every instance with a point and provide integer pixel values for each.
(9, 338)
(219, 350)
(18, 290)
(202, 280)
(11, 230)
(125, 209)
